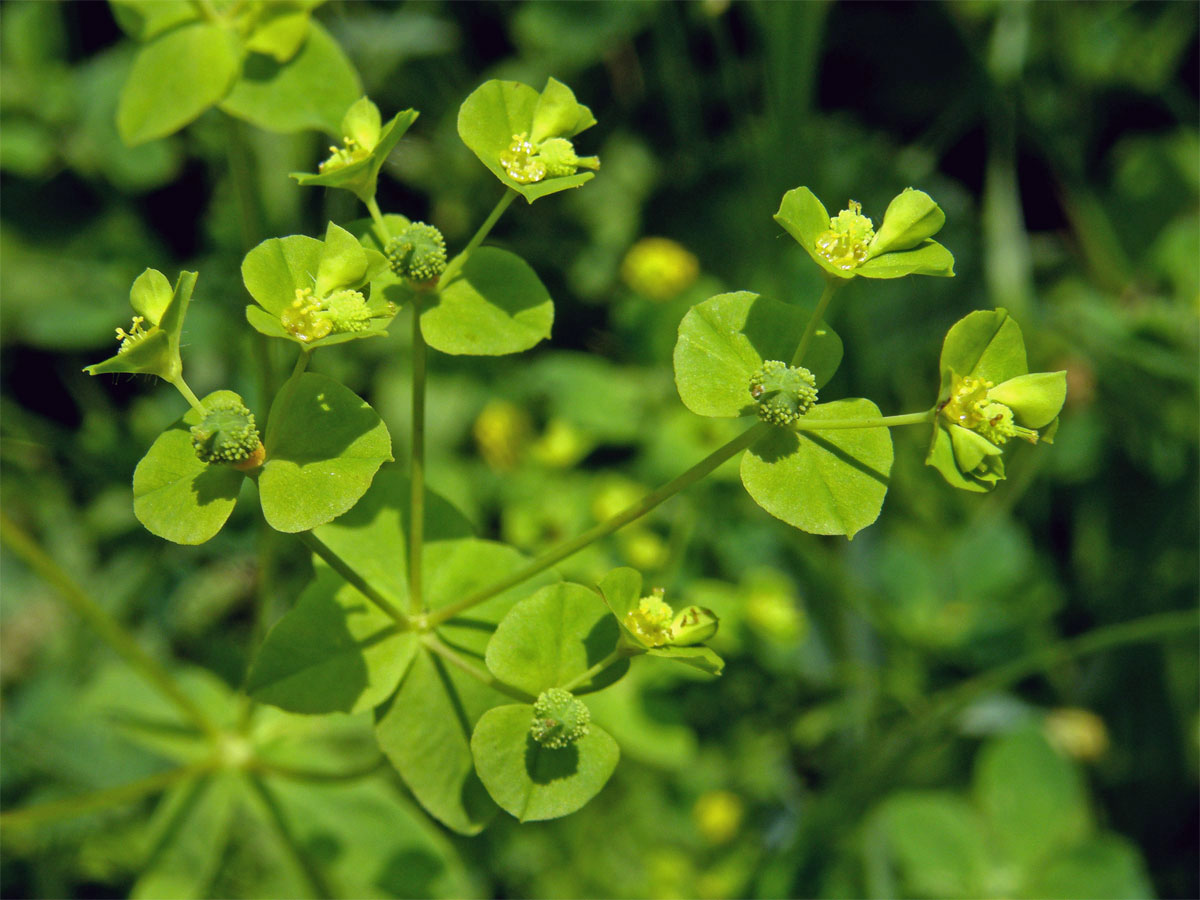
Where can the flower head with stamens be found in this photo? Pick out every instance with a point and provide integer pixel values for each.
(151, 344)
(849, 245)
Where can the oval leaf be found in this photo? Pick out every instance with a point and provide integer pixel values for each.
(176, 77)
(494, 306)
(335, 651)
(324, 445)
(822, 482)
(987, 344)
(725, 340)
(939, 843)
(313, 89)
(425, 733)
(175, 495)
(550, 638)
(533, 782)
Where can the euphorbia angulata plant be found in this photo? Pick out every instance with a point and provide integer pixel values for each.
(477, 661)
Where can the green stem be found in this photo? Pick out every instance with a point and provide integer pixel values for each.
(191, 398)
(104, 625)
(339, 565)
(457, 263)
(810, 330)
(434, 643)
(373, 209)
(615, 657)
(918, 418)
(302, 362)
(416, 525)
(86, 803)
(241, 169)
(636, 511)
(300, 854)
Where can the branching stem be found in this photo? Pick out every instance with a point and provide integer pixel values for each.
(343, 568)
(604, 529)
(435, 644)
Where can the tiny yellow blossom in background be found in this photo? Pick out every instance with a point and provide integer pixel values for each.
(1079, 733)
(502, 432)
(718, 815)
(659, 268)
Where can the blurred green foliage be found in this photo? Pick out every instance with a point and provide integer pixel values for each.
(874, 694)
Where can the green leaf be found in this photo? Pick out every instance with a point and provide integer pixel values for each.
(929, 258)
(1105, 867)
(425, 733)
(175, 495)
(495, 305)
(372, 537)
(986, 344)
(1035, 399)
(1033, 798)
(324, 445)
(822, 482)
(938, 841)
(150, 295)
(145, 19)
(176, 77)
(805, 218)
(941, 457)
(698, 657)
(335, 651)
(278, 267)
(188, 833)
(343, 261)
(533, 782)
(621, 589)
(550, 638)
(911, 217)
(725, 340)
(426, 730)
(311, 90)
(497, 110)
(279, 29)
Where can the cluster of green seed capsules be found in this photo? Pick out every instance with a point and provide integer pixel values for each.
(559, 719)
(226, 434)
(782, 393)
(417, 253)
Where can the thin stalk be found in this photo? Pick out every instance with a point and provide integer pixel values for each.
(339, 565)
(416, 525)
(241, 169)
(918, 418)
(612, 659)
(457, 263)
(301, 362)
(373, 209)
(810, 330)
(69, 807)
(191, 398)
(434, 643)
(604, 529)
(300, 855)
(104, 625)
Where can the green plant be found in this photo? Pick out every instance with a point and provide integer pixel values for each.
(406, 604)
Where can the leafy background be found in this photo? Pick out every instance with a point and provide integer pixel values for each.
(865, 698)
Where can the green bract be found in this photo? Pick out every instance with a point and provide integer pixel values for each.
(524, 137)
(988, 397)
(365, 147)
(311, 292)
(848, 245)
(651, 626)
(265, 62)
(152, 350)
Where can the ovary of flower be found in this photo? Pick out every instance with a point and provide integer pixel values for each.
(846, 243)
(131, 337)
(300, 319)
(310, 319)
